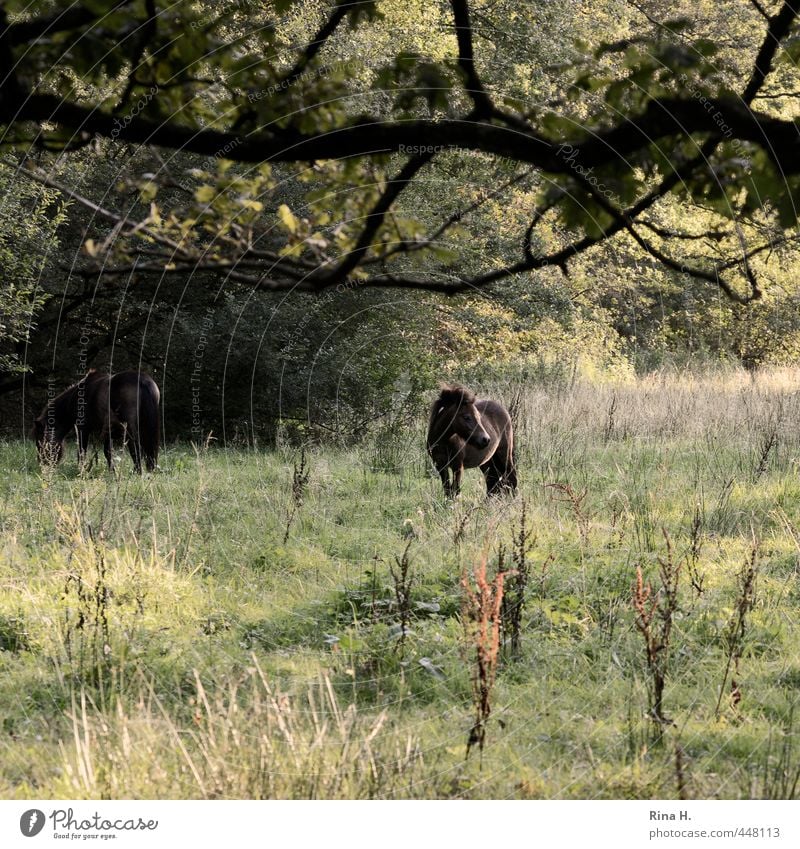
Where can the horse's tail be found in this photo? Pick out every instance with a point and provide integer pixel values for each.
(149, 424)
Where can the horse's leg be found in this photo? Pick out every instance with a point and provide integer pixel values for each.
(135, 450)
(83, 443)
(444, 474)
(493, 478)
(500, 475)
(147, 451)
(107, 450)
(458, 470)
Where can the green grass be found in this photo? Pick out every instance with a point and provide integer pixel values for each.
(158, 638)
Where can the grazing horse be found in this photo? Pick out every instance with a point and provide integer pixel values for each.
(466, 433)
(113, 406)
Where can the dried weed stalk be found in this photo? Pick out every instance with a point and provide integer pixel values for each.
(736, 631)
(482, 601)
(654, 617)
(403, 581)
(300, 477)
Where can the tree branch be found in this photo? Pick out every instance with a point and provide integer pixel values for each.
(374, 219)
(715, 235)
(316, 44)
(777, 29)
(61, 21)
(146, 37)
(668, 261)
(466, 60)
(760, 9)
(431, 239)
(662, 118)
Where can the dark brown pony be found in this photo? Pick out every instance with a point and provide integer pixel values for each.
(465, 433)
(118, 406)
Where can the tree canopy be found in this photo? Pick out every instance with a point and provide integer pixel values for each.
(546, 155)
(664, 111)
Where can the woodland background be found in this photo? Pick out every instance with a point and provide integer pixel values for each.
(90, 220)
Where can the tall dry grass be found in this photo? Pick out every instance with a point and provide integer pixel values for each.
(243, 738)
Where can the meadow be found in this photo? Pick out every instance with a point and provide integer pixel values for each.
(323, 624)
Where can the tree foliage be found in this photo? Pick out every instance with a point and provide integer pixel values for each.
(30, 217)
(621, 174)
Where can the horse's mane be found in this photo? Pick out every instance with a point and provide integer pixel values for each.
(451, 395)
(455, 393)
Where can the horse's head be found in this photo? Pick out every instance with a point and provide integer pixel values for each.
(49, 448)
(456, 408)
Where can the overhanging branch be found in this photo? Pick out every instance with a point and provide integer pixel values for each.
(662, 118)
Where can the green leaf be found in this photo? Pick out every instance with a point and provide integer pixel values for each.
(147, 191)
(287, 218)
(205, 194)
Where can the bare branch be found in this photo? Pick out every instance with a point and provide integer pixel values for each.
(375, 218)
(527, 247)
(450, 221)
(777, 30)
(761, 11)
(146, 37)
(316, 44)
(711, 235)
(668, 261)
(662, 118)
(466, 60)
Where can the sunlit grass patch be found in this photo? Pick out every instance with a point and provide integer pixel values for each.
(137, 612)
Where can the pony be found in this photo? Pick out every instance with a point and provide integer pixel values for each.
(112, 406)
(465, 433)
